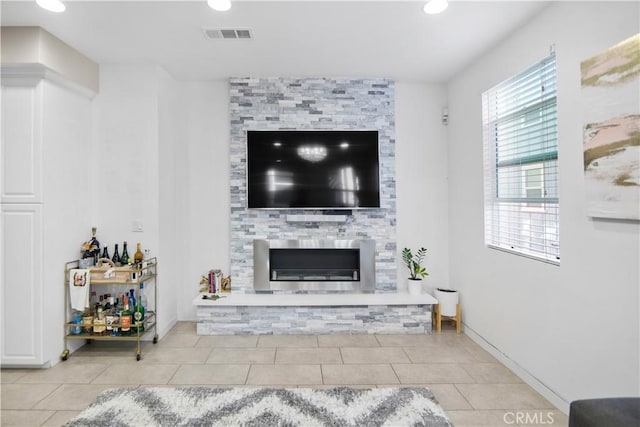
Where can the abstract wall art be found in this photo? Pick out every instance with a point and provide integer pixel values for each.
(611, 131)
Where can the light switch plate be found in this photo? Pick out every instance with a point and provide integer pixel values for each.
(136, 226)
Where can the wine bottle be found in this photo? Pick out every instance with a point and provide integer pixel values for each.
(125, 255)
(138, 313)
(125, 319)
(116, 257)
(95, 245)
(105, 252)
(138, 256)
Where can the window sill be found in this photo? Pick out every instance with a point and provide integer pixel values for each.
(526, 255)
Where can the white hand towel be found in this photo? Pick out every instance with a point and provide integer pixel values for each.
(79, 284)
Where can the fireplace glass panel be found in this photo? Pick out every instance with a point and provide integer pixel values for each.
(314, 265)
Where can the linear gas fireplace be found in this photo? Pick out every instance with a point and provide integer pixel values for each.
(314, 265)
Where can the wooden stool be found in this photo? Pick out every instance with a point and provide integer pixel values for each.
(437, 318)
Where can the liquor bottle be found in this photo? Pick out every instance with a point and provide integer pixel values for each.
(88, 315)
(105, 252)
(125, 255)
(125, 319)
(138, 313)
(117, 308)
(109, 320)
(132, 298)
(99, 322)
(138, 256)
(87, 320)
(141, 297)
(116, 256)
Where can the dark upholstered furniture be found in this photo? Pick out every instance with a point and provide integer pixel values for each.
(612, 412)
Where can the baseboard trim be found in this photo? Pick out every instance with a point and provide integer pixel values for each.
(526, 376)
(166, 328)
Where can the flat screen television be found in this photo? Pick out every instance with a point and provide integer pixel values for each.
(313, 169)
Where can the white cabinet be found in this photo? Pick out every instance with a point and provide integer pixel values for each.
(21, 226)
(21, 159)
(22, 296)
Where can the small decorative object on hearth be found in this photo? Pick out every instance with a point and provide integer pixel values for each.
(204, 284)
(215, 282)
(416, 270)
(225, 285)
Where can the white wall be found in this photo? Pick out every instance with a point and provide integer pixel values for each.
(168, 147)
(203, 186)
(421, 179)
(129, 183)
(555, 324)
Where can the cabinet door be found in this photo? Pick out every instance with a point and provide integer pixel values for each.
(21, 144)
(22, 285)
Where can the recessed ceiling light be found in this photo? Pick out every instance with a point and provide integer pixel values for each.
(51, 5)
(219, 5)
(435, 6)
(277, 144)
(344, 145)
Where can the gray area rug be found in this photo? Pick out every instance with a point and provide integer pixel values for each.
(261, 407)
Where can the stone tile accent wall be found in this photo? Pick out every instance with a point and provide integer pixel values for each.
(278, 320)
(303, 104)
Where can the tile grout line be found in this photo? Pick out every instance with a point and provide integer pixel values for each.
(246, 378)
(172, 375)
(407, 354)
(395, 373)
(50, 393)
(464, 397)
(378, 339)
(52, 415)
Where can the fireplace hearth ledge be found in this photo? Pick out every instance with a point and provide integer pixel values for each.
(293, 314)
(311, 300)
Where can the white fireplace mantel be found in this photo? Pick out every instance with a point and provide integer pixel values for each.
(310, 300)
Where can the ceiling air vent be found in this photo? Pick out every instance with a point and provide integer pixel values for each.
(227, 34)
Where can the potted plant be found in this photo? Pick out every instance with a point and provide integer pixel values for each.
(416, 269)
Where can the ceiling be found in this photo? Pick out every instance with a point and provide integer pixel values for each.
(392, 39)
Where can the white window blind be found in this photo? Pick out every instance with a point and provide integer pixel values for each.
(521, 163)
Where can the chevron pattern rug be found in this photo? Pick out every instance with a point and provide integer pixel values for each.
(261, 407)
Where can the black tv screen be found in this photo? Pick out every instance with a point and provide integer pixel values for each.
(313, 169)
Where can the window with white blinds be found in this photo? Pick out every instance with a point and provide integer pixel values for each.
(521, 211)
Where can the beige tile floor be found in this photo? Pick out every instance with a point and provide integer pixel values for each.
(472, 386)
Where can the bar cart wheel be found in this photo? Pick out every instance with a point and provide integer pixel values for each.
(65, 355)
(155, 339)
(137, 356)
